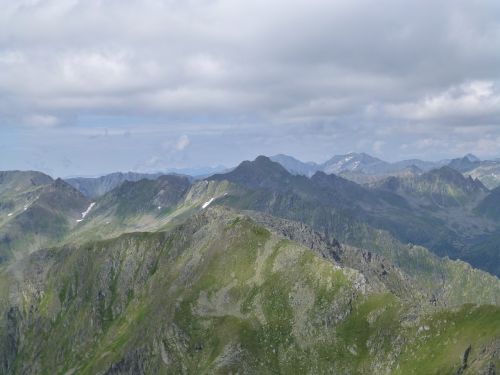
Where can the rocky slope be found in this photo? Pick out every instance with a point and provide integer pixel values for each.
(466, 163)
(488, 173)
(218, 294)
(443, 187)
(42, 212)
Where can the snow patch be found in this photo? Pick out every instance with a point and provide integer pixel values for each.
(207, 203)
(10, 214)
(85, 213)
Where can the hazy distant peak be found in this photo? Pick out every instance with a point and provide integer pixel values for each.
(295, 166)
(472, 158)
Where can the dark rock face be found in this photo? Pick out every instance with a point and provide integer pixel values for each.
(465, 359)
(133, 363)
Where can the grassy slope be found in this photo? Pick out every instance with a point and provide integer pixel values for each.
(220, 294)
(43, 215)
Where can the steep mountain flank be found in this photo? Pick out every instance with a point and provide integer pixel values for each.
(132, 198)
(42, 215)
(15, 182)
(442, 187)
(490, 205)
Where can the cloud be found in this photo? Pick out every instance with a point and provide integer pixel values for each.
(470, 101)
(338, 74)
(39, 120)
(182, 143)
(184, 56)
(377, 146)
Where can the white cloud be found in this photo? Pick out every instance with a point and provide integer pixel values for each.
(182, 143)
(378, 146)
(468, 100)
(11, 57)
(42, 121)
(235, 58)
(339, 74)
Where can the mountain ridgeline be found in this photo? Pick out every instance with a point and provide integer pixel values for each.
(363, 168)
(94, 187)
(272, 267)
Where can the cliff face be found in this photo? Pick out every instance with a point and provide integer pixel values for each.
(222, 293)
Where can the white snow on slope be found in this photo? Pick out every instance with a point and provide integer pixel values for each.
(85, 213)
(207, 203)
(10, 214)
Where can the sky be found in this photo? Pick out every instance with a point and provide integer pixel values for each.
(88, 87)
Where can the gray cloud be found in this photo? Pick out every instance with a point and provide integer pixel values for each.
(372, 75)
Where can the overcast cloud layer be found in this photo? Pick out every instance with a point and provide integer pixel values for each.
(93, 86)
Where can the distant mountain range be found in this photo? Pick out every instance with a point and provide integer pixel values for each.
(97, 186)
(363, 168)
(270, 267)
(358, 167)
(94, 187)
(360, 163)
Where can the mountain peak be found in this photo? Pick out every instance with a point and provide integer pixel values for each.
(295, 166)
(262, 161)
(455, 178)
(472, 158)
(466, 163)
(261, 172)
(10, 180)
(354, 162)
